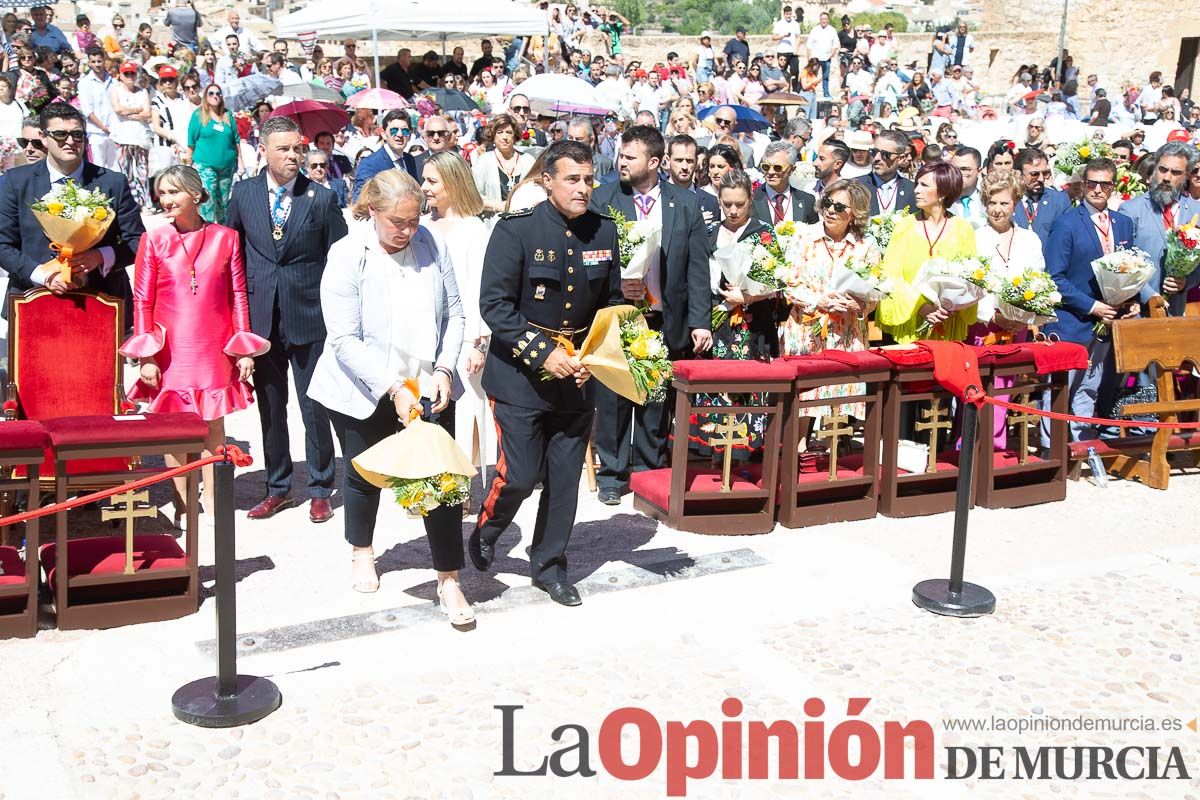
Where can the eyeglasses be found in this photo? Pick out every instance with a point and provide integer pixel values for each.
(772, 168)
(36, 144)
(1093, 186)
(839, 208)
(886, 155)
(519, 109)
(318, 165)
(399, 131)
(1043, 173)
(726, 123)
(1036, 128)
(213, 93)
(62, 136)
(190, 87)
(118, 24)
(436, 132)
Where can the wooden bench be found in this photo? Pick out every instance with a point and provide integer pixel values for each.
(1171, 343)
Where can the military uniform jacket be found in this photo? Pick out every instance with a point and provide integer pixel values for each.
(544, 271)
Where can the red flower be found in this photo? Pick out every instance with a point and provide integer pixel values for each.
(526, 136)
(765, 237)
(1010, 145)
(1125, 195)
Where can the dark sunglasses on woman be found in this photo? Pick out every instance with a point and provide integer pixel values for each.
(839, 208)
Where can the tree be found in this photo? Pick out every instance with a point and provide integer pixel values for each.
(632, 10)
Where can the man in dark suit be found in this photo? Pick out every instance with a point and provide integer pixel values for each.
(890, 191)
(1041, 206)
(776, 201)
(287, 225)
(1079, 237)
(681, 166)
(397, 131)
(24, 249)
(580, 129)
(677, 289)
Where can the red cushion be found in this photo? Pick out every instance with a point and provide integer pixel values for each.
(1047, 357)
(105, 555)
(655, 484)
(1126, 444)
(721, 369)
(22, 435)
(1008, 458)
(12, 566)
(836, 364)
(848, 467)
(95, 430)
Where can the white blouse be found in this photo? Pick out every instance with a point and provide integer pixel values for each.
(1025, 251)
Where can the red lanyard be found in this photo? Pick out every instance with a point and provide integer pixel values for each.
(1031, 211)
(925, 228)
(1105, 232)
(891, 198)
(1006, 257)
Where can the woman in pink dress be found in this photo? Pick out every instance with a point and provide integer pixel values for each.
(191, 318)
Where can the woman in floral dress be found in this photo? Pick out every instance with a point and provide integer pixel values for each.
(744, 326)
(821, 319)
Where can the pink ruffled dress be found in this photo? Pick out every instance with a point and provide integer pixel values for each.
(197, 336)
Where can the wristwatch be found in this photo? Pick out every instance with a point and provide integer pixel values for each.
(481, 347)
(392, 392)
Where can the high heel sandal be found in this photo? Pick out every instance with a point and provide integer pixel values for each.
(365, 586)
(461, 619)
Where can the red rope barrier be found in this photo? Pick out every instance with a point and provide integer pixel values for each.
(1116, 423)
(226, 452)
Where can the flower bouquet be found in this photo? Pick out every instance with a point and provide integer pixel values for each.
(861, 278)
(1120, 275)
(421, 464)
(954, 284)
(73, 219)
(625, 355)
(785, 232)
(881, 227)
(637, 242)
(1129, 183)
(1183, 250)
(756, 266)
(1070, 156)
(1028, 299)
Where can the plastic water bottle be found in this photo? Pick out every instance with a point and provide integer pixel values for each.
(1097, 465)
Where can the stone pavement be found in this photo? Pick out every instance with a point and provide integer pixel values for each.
(1098, 598)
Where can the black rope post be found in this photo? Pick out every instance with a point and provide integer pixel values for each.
(229, 699)
(955, 597)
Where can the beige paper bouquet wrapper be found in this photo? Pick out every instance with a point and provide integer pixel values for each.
(602, 354)
(72, 236)
(421, 450)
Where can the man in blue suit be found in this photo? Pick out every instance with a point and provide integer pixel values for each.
(287, 224)
(1161, 208)
(1079, 237)
(681, 165)
(1041, 206)
(24, 249)
(397, 130)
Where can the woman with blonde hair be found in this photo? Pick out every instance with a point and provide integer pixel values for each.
(191, 318)
(454, 219)
(498, 171)
(392, 311)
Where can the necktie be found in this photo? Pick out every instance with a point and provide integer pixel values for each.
(278, 215)
(645, 204)
(1168, 218)
(778, 202)
(1104, 229)
(966, 201)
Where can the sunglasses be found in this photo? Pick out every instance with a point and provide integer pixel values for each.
(318, 165)
(1036, 128)
(36, 144)
(773, 168)
(1093, 186)
(726, 123)
(437, 132)
(839, 208)
(1045, 173)
(190, 87)
(519, 109)
(399, 131)
(213, 93)
(62, 136)
(886, 155)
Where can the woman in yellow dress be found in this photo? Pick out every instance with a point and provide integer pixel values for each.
(932, 233)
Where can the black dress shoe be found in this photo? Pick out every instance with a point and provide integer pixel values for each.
(610, 497)
(481, 552)
(562, 593)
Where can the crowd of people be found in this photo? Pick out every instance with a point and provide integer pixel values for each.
(476, 241)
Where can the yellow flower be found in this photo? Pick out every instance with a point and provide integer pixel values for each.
(447, 483)
(100, 213)
(639, 348)
(1029, 295)
(54, 207)
(978, 275)
(1017, 281)
(1085, 152)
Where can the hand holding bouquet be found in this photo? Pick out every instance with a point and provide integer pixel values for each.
(625, 355)
(637, 241)
(954, 284)
(756, 267)
(1028, 299)
(74, 220)
(1121, 275)
(862, 278)
(1183, 250)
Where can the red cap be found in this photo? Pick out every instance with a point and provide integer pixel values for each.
(167, 71)
(130, 66)
(1179, 135)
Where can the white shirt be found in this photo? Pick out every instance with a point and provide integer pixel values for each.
(822, 42)
(790, 31)
(972, 209)
(728, 237)
(1148, 99)
(859, 82)
(109, 256)
(414, 334)
(653, 277)
(94, 99)
(247, 42)
(1025, 251)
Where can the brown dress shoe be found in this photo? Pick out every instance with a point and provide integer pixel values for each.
(319, 509)
(271, 506)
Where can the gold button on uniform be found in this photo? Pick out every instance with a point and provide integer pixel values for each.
(568, 305)
(568, 234)
(570, 270)
(570, 252)
(570, 288)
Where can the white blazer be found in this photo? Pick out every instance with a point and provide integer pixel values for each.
(487, 173)
(358, 365)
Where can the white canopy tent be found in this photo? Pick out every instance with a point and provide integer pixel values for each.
(449, 19)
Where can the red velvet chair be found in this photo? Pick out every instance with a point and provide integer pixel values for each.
(931, 489)
(1018, 475)
(849, 489)
(692, 497)
(65, 372)
(22, 444)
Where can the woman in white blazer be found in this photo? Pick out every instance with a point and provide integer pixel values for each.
(392, 311)
(498, 171)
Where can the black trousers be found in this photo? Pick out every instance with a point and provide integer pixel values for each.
(545, 446)
(623, 451)
(271, 395)
(443, 525)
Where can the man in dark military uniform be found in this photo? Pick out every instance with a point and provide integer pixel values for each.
(547, 271)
